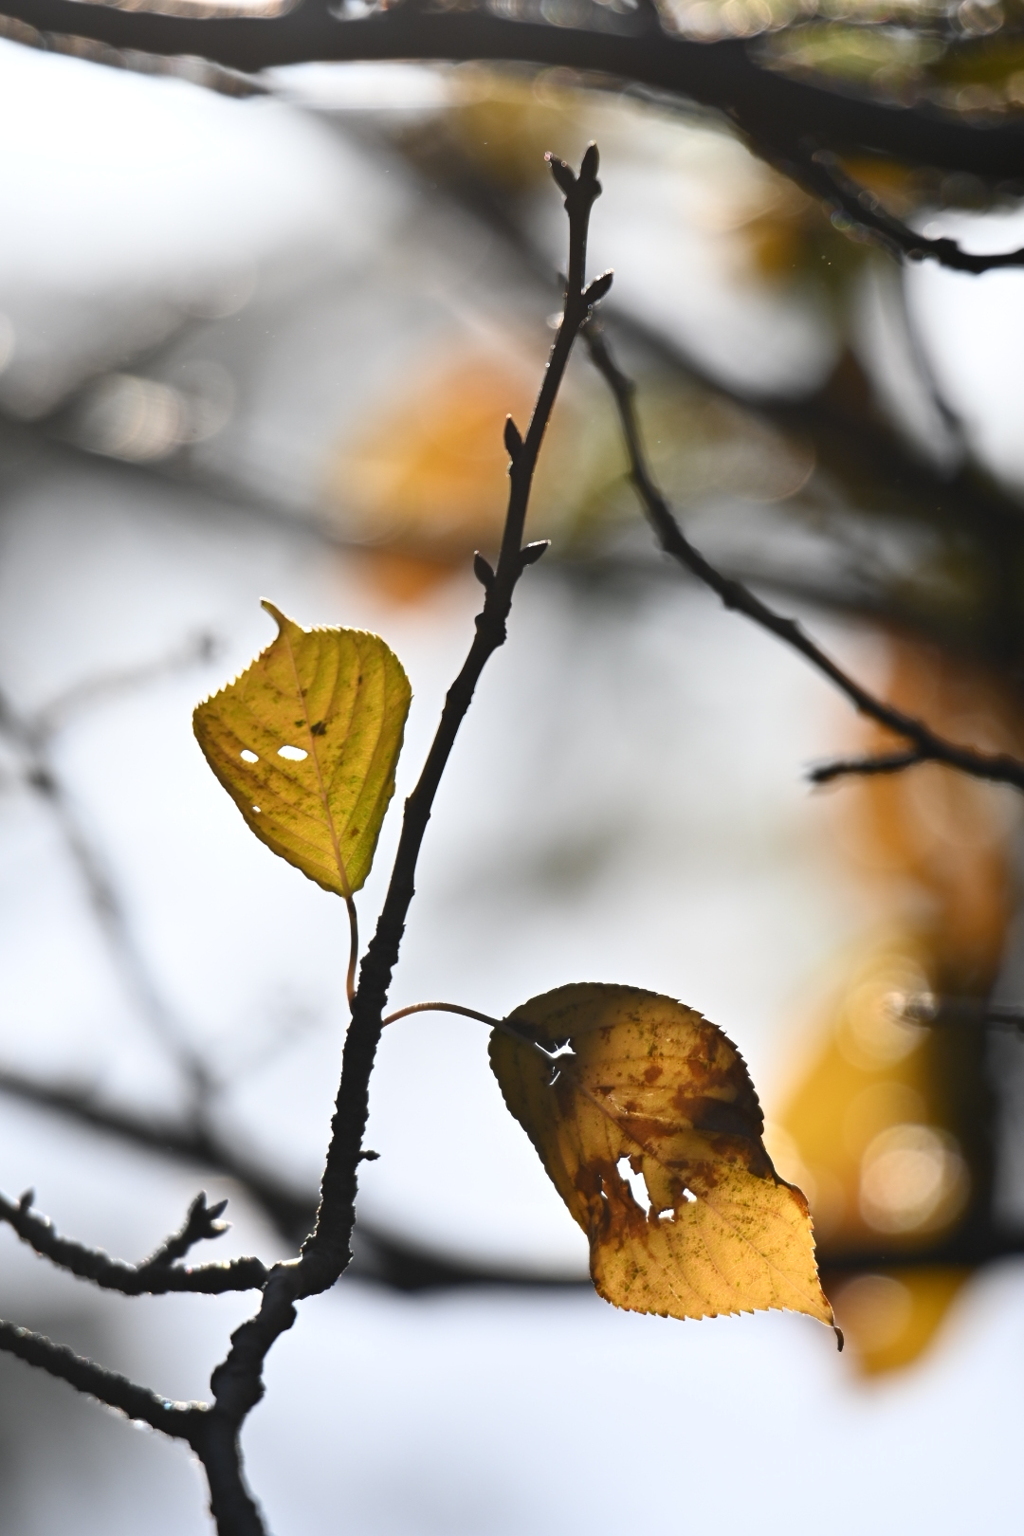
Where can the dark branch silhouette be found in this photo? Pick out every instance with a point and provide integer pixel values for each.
(237, 1383)
(822, 174)
(776, 110)
(925, 745)
(180, 1420)
(159, 1274)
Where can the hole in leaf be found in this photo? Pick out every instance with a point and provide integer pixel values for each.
(257, 810)
(668, 1214)
(293, 754)
(249, 757)
(635, 1181)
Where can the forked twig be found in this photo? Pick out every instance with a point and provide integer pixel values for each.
(158, 1275)
(926, 746)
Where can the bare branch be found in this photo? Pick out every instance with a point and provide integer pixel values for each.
(290, 1212)
(774, 109)
(326, 1252)
(866, 767)
(202, 1224)
(180, 1420)
(238, 1382)
(926, 745)
(822, 173)
(32, 735)
(158, 1275)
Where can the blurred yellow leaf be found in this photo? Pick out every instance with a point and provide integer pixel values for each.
(428, 467)
(306, 741)
(887, 1126)
(651, 1088)
(891, 1319)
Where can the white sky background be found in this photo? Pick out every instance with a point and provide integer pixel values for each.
(587, 830)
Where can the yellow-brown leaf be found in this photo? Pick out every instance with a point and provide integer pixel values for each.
(334, 703)
(652, 1082)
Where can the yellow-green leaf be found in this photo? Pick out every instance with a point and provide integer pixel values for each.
(652, 1088)
(306, 741)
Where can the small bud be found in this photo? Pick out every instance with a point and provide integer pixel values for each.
(513, 439)
(368, 1157)
(565, 178)
(483, 570)
(598, 288)
(25, 1203)
(531, 553)
(591, 161)
(214, 1211)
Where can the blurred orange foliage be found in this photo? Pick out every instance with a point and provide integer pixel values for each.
(888, 1132)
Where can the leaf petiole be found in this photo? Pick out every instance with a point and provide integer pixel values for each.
(504, 1025)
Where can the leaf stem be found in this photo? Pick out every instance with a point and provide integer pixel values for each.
(353, 948)
(504, 1025)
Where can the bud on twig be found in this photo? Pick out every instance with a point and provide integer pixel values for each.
(531, 553)
(562, 173)
(25, 1203)
(513, 439)
(483, 570)
(591, 161)
(598, 288)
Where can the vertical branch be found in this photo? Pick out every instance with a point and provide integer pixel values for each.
(237, 1383)
(327, 1251)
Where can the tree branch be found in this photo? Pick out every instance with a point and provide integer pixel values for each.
(925, 744)
(237, 1383)
(327, 1251)
(776, 110)
(32, 736)
(822, 174)
(181, 1420)
(290, 1212)
(159, 1274)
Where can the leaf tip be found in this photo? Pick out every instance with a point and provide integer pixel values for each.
(282, 620)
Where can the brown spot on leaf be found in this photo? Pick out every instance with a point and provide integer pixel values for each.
(655, 1083)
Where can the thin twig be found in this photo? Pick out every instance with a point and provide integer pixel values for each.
(290, 1212)
(32, 736)
(326, 1253)
(237, 1383)
(926, 746)
(158, 1275)
(202, 1224)
(180, 1420)
(822, 173)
